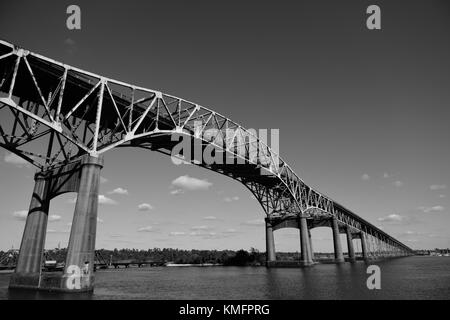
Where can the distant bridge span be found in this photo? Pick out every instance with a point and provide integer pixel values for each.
(62, 119)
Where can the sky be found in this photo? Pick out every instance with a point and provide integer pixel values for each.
(363, 115)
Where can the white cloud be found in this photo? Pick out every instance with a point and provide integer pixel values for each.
(177, 191)
(146, 229)
(145, 207)
(176, 233)
(200, 228)
(72, 201)
(23, 214)
(442, 196)
(103, 180)
(386, 175)
(256, 222)
(119, 191)
(230, 231)
(101, 200)
(432, 209)
(192, 184)
(438, 187)
(20, 215)
(54, 217)
(391, 218)
(16, 160)
(209, 218)
(398, 184)
(365, 177)
(231, 199)
(105, 200)
(57, 231)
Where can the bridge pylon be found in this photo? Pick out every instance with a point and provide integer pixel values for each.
(83, 177)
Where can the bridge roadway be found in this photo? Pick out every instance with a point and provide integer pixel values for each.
(63, 119)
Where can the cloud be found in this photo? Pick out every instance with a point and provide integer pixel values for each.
(16, 160)
(101, 200)
(119, 191)
(177, 191)
(391, 218)
(410, 233)
(23, 214)
(432, 209)
(256, 222)
(20, 215)
(209, 218)
(386, 175)
(365, 177)
(147, 229)
(200, 228)
(54, 217)
(231, 199)
(105, 200)
(442, 196)
(398, 184)
(57, 231)
(103, 180)
(176, 233)
(192, 184)
(145, 207)
(438, 187)
(230, 231)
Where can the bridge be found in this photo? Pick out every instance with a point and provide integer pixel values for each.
(62, 120)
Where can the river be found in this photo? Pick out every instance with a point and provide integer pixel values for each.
(403, 278)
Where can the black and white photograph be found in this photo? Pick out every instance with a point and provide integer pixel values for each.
(224, 155)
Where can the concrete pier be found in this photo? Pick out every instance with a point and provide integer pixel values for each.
(28, 270)
(306, 258)
(81, 249)
(270, 244)
(311, 250)
(363, 246)
(81, 176)
(351, 250)
(338, 255)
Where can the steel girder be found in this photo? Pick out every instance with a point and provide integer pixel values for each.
(59, 112)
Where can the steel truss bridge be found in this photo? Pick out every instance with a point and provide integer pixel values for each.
(62, 119)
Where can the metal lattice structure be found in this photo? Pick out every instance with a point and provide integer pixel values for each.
(52, 113)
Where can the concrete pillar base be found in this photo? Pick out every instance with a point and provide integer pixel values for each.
(24, 281)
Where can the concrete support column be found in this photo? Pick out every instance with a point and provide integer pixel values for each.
(351, 250)
(306, 258)
(338, 255)
(270, 244)
(28, 269)
(79, 267)
(311, 250)
(363, 246)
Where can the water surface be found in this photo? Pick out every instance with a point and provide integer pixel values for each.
(402, 278)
